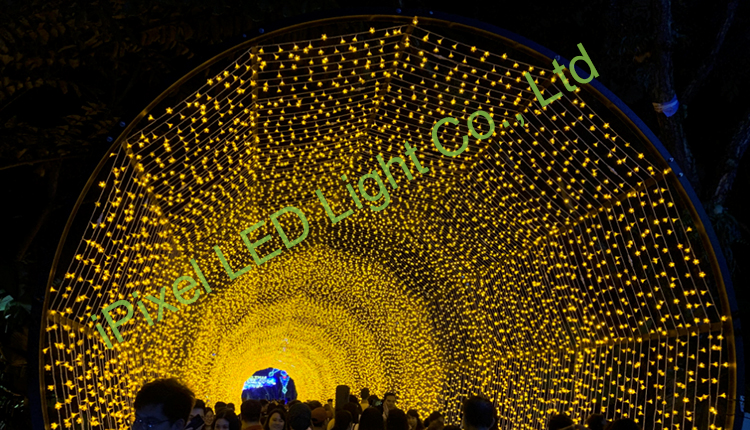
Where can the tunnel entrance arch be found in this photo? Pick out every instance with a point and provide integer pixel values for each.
(564, 265)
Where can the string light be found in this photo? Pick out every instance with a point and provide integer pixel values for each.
(550, 266)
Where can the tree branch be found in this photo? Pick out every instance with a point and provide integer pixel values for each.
(134, 77)
(671, 129)
(25, 163)
(51, 193)
(735, 151)
(16, 97)
(708, 64)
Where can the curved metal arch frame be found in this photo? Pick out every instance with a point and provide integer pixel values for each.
(600, 92)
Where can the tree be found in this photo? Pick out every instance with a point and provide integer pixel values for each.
(712, 185)
(672, 127)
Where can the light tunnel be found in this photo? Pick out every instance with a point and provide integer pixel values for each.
(560, 265)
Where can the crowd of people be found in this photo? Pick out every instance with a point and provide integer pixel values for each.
(166, 404)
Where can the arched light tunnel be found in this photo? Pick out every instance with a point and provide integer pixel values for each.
(560, 265)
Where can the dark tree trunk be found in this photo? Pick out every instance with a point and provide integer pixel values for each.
(737, 148)
(671, 131)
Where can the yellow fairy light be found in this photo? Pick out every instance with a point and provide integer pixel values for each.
(548, 265)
